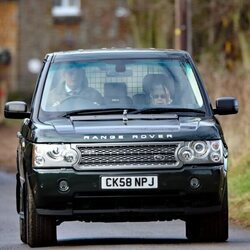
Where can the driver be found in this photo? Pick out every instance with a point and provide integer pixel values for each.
(74, 85)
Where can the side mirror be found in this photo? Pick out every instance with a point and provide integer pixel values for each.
(16, 110)
(226, 106)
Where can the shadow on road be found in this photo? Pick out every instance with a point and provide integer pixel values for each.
(120, 241)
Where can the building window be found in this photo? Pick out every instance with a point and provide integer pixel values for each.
(66, 8)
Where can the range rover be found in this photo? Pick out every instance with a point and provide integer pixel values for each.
(109, 153)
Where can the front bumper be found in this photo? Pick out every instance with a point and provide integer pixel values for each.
(85, 200)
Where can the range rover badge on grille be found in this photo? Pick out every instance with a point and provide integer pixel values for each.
(159, 157)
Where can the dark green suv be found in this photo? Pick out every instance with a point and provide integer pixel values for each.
(121, 135)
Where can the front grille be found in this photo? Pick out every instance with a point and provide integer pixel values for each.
(128, 155)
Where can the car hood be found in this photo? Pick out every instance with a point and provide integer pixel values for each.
(97, 130)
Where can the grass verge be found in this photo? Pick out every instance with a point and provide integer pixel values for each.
(239, 192)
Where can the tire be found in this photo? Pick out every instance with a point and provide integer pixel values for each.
(40, 230)
(209, 227)
(18, 194)
(23, 234)
(22, 220)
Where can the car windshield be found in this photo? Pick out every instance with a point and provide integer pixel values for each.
(119, 84)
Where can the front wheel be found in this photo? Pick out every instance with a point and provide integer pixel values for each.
(209, 227)
(20, 209)
(40, 230)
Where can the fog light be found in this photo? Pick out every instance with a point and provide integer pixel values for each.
(194, 183)
(63, 186)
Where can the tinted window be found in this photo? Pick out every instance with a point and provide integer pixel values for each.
(120, 83)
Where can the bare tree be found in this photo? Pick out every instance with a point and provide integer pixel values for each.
(151, 22)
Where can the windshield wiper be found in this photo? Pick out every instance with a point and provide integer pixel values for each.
(130, 111)
(166, 110)
(98, 111)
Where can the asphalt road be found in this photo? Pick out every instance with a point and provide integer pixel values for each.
(79, 235)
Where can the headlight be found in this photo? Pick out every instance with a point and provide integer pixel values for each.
(201, 152)
(200, 148)
(54, 155)
(186, 154)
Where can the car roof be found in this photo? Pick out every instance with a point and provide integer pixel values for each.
(116, 54)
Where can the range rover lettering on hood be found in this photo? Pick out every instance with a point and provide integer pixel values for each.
(131, 136)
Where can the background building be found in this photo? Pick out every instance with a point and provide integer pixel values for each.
(29, 29)
(8, 41)
(47, 26)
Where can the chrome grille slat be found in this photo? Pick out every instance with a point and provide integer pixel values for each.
(129, 149)
(134, 155)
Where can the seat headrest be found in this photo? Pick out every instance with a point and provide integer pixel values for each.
(115, 89)
(151, 79)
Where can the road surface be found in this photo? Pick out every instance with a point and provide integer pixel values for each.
(79, 235)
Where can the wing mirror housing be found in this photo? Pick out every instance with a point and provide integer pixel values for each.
(16, 110)
(226, 106)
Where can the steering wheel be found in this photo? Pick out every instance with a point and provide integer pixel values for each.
(76, 102)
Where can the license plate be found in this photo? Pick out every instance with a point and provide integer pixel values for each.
(129, 182)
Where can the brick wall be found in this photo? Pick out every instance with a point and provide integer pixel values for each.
(39, 33)
(8, 40)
